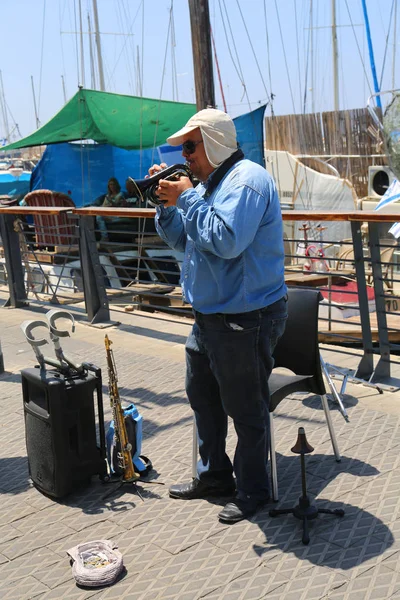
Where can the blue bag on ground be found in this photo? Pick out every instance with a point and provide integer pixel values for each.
(134, 425)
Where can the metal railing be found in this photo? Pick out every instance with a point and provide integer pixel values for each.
(358, 277)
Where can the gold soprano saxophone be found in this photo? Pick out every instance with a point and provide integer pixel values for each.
(124, 455)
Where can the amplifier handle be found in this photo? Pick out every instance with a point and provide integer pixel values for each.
(99, 390)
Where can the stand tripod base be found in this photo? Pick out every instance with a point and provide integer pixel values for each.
(306, 512)
(120, 483)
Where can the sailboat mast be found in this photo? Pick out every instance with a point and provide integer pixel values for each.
(221, 89)
(63, 87)
(202, 53)
(82, 51)
(335, 58)
(98, 46)
(4, 109)
(92, 68)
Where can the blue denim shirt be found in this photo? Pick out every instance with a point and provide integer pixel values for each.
(232, 239)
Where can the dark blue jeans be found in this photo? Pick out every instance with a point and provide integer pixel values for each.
(228, 363)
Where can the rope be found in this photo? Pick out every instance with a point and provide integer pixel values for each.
(122, 16)
(298, 53)
(173, 59)
(237, 67)
(60, 18)
(269, 61)
(221, 88)
(387, 43)
(358, 47)
(123, 46)
(120, 19)
(307, 61)
(227, 41)
(142, 79)
(7, 108)
(81, 145)
(141, 228)
(170, 28)
(76, 46)
(87, 148)
(162, 77)
(293, 172)
(252, 49)
(284, 55)
(301, 140)
(314, 63)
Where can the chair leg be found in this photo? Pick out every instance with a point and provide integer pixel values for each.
(195, 449)
(274, 471)
(325, 405)
(335, 394)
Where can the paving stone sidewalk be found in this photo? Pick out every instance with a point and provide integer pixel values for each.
(179, 550)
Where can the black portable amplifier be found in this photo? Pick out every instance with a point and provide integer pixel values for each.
(60, 428)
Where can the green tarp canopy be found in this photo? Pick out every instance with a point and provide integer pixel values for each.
(128, 122)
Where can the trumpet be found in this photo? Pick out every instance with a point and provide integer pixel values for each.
(121, 437)
(146, 188)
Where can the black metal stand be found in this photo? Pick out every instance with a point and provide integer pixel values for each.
(119, 485)
(305, 511)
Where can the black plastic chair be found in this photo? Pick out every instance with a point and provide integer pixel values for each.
(298, 351)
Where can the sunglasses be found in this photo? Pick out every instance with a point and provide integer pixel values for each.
(189, 147)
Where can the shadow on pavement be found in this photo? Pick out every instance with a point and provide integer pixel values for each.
(337, 542)
(8, 377)
(14, 475)
(154, 333)
(314, 402)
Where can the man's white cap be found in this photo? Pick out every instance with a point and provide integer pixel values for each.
(218, 132)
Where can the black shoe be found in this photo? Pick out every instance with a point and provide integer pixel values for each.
(198, 489)
(238, 509)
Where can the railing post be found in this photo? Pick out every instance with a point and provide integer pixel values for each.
(12, 255)
(382, 369)
(96, 300)
(366, 365)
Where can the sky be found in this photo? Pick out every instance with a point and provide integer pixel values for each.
(262, 46)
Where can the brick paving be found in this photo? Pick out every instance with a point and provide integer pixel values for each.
(179, 550)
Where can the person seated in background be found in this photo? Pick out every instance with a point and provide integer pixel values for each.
(129, 198)
(113, 197)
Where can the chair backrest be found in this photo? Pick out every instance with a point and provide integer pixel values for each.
(388, 246)
(52, 230)
(298, 348)
(345, 257)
